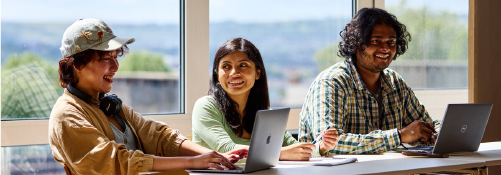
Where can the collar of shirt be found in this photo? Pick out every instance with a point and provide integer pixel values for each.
(359, 84)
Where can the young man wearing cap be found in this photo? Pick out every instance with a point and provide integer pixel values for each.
(371, 106)
(93, 134)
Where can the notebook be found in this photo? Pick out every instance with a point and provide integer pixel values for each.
(266, 141)
(462, 129)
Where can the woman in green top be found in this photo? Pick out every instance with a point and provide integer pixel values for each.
(224, 119)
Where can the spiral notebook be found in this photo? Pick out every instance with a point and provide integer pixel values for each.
(321, 161)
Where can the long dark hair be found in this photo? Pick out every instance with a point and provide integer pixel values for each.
(258, 96)
(358, 32)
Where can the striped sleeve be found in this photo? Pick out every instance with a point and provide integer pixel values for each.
(375, 142)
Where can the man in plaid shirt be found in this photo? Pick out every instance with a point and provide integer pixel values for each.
(371, 107)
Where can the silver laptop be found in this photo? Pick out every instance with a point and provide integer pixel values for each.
(266, 141)
(462, 129)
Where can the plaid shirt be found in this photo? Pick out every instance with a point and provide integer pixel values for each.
(338, 98)
(27, 92)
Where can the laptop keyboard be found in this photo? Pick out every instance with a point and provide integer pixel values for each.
(425, 148)
(239, 167)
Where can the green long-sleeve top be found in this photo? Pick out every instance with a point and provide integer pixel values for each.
(210, 129)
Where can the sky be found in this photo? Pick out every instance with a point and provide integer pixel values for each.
(110, 11)
(456, 6)
(277, 10)
(167, 11)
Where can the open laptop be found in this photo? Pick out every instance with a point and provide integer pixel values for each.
(266, 141)
(462, 129)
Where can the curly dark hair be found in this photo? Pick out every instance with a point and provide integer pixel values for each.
(258, 96)
(357, 33)
(80, 60)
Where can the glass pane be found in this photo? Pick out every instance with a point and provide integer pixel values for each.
(297, 39)
(33, 159)
(437, 57)
(148, 77)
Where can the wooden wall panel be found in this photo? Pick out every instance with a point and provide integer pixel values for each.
(484, 47)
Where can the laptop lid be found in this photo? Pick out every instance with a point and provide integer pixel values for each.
(462, 128)
(266, 141)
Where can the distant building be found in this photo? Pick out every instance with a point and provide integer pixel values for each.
(148, 92)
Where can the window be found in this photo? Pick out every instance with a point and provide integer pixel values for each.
(297, 39)
(31, 31)
(437, 57)
(275, 27)
(436, 64)
(32, 159)
(148, 77)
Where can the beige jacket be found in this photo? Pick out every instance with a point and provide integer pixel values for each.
(81, 138)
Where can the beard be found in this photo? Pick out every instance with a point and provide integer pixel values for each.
(365, 61)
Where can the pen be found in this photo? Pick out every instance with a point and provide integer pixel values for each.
(320, 135)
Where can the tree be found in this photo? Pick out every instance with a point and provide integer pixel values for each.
(435, 35)
(50, 68)
(327, 56)
(29, 87)
(143, 61)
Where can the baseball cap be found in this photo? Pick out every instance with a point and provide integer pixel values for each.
(90, 34)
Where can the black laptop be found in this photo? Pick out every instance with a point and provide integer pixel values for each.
(462, 129)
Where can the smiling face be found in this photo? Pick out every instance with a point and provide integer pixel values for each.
(237, 74)
(381, 50)
(97, 75)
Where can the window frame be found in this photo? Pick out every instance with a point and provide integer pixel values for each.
(194, 82)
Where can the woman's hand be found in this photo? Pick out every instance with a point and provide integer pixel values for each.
(298, 151)
(210, 160)
(235, 155)
(329, 140)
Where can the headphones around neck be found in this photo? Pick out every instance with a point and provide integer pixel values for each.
(110, 104)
